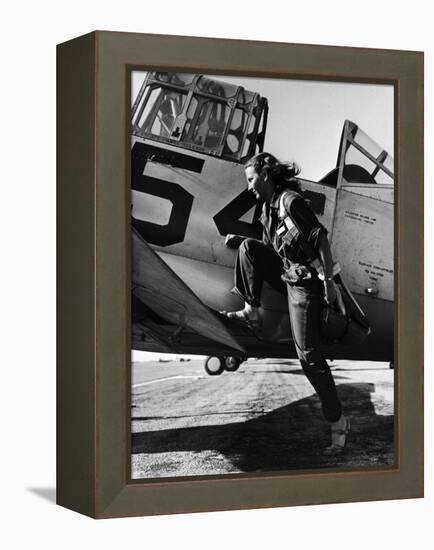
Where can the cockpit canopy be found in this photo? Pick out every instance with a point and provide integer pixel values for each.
(199, 113)
(361, 160)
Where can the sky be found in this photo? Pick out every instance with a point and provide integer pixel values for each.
(305, 122)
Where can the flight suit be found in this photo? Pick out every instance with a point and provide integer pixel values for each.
(283, 259)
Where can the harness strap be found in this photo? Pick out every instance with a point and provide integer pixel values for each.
(315, 262)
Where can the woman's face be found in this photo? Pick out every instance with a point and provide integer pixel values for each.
(257, 184)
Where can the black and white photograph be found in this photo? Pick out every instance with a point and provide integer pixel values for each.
(262, 275)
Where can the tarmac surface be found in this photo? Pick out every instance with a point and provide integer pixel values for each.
(265, 417)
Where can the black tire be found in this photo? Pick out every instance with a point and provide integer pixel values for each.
(232, 363)
(214, 365)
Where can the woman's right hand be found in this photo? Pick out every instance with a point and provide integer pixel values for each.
(233, 241)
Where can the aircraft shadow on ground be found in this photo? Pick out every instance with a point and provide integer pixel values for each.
(293, 372)
(287, 438)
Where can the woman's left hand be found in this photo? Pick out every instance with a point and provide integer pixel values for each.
(333, 296)
(330, 292)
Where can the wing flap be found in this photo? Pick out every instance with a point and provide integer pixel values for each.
(157, 286)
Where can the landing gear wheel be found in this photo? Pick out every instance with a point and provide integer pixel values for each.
(232, 363)
(214, 365)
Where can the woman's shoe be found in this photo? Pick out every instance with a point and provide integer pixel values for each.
(339, 433)
(242, 316)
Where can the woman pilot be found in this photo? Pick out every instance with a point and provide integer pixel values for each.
(293, 240)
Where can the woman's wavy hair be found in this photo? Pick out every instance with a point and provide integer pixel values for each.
(282, 174)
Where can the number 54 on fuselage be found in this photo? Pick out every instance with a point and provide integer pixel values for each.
(191, 136)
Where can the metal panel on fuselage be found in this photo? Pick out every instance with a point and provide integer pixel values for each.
(362, 242)
(196, 206)
(384, 193)
(201, 227)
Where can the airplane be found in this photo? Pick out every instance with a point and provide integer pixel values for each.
(190, 138)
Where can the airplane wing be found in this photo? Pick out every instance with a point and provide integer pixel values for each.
(167, 297)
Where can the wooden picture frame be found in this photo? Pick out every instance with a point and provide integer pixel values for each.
(93, 380)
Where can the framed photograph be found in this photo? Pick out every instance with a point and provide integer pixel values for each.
(240, 299)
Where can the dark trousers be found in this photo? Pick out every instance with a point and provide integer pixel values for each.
(257, 262)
